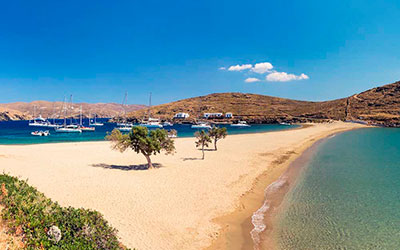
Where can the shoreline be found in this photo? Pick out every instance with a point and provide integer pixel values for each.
(194, 192)
(237, 226)
(300, 125)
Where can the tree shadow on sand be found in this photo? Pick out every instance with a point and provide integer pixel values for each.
(126, 168)
(191, 158)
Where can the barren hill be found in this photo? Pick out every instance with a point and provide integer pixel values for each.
(24, 110)
(250, 107)
(380, 106)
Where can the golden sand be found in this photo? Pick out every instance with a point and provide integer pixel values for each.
(178, 205)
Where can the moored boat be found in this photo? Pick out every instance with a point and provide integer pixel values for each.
(124, 129)
(41, 133)
(201, 125)
(240, 124)
(68, 129)
(94, 122)
(151, 122)
(167, 124)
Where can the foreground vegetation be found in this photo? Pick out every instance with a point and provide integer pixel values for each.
(43, 224)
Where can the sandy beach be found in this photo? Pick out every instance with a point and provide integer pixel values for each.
(186, 203)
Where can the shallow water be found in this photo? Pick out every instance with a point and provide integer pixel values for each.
(18, 132)
(348, 195)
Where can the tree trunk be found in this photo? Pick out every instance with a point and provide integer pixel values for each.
(149, 164)
(202, 149)
(215, 144)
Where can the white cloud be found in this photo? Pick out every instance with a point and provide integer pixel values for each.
(284, 77)
(262, 68)
(240, 67)
(222, 68)
(252, 79)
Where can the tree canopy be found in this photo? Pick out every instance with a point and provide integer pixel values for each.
(140, 140)
(217, 133)
(202, 140)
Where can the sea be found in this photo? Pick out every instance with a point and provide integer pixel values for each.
(18, 132)
(346, 196)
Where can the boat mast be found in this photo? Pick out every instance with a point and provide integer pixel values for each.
(124, 106)
(65, 111)
(80, 115)
(150, 106)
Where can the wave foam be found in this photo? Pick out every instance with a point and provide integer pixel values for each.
(257, 219)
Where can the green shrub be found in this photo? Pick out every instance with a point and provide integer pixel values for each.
(29, 211)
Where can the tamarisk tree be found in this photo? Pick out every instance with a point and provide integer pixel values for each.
(202, 140)
(141, 141)
(217, 133)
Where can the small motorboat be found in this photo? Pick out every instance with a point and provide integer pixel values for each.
(41, 133)
(240, 124)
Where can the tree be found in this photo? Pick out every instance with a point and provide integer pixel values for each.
(217, 133)
(141, 141)
(202, 140)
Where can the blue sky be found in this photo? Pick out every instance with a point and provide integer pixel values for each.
(97, 50)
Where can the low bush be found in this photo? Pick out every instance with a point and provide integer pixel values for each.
(29, 213)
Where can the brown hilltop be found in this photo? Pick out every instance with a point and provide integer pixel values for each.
(379, 106)
(24, 110)
(9, 114)
(251, 107)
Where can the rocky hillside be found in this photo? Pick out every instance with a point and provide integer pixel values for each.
(379, 106)
(251, 107)
(9, 114)
(23, 110)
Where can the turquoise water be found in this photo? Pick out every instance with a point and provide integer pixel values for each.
(348, 196)
(18, 132)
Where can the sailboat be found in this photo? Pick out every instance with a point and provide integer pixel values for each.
(71, 128)
(83, 128)
(124, 126)
(95, 123)
(151, 122)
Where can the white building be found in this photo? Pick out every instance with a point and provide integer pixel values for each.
(181, 116)
(228, 115)
(212, 115)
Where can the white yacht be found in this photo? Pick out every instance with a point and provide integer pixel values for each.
(125, 124)
(41, 122)
(201, 125)
(167, 124)
(148, 124)
(69, 129)
(124, 129)
(240, 124)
